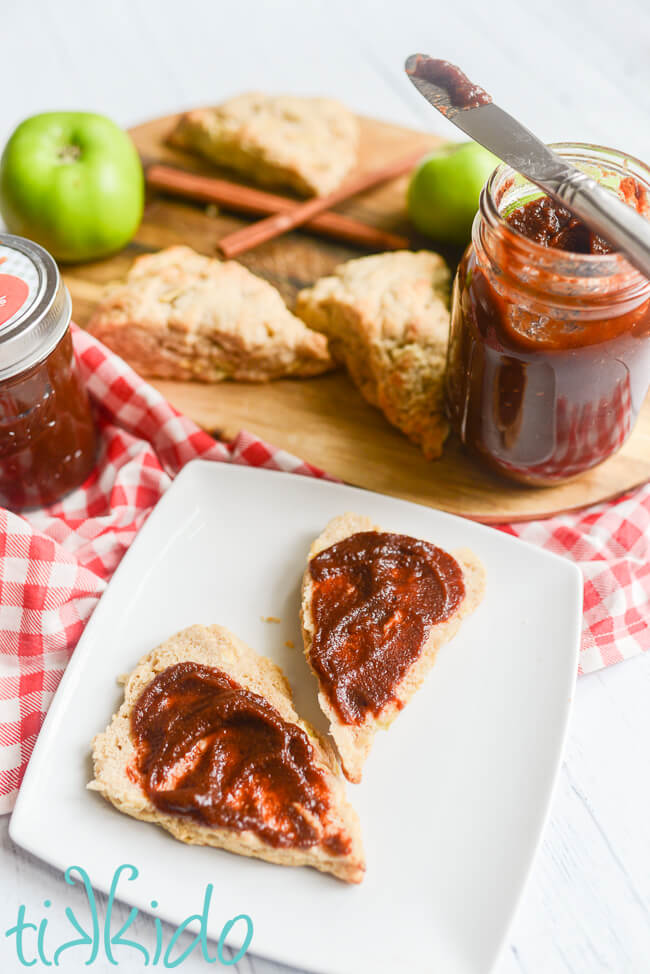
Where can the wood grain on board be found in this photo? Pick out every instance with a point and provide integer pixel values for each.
(325, 420)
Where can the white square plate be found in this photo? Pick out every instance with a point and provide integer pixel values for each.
(454, 796)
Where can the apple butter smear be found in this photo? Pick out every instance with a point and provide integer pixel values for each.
(214, 751)
(375, 597)
(460, 91)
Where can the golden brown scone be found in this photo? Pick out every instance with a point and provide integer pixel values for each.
(387, 320)
(309, 144)
(355, 740)
(117, 776)
(180, 315)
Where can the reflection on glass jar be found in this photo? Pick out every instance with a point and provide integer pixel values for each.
(549, 354)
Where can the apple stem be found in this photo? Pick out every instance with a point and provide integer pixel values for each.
(69, 153)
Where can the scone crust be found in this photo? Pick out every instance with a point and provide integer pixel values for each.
(181, 315)
(354, 741)
(308, 144)
(387, 320)
(114, 751)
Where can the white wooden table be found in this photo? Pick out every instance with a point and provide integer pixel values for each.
(571, 69)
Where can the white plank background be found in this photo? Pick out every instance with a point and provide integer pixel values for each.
(575, 70)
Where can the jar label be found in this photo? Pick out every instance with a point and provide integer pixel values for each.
(19, 284)
(13, 294)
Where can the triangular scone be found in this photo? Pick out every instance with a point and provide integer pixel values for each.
(229, 763)
(309, 144)
(387, 320)
(362, 689)
(181, 315)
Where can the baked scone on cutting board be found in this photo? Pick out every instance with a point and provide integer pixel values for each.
(181, 315)
(387, 320)
(307, 144)
(376, 607)
(207, 744)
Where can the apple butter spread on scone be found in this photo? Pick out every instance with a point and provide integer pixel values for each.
(180, 315)
(307, 144)
(387, 320)
(208, 745)
(376, 607)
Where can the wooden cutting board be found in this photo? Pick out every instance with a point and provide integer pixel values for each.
(325, 420)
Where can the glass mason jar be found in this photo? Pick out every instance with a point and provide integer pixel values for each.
(549, 352)
(47, 435)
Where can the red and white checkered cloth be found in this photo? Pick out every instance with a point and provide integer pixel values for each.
(55, 563)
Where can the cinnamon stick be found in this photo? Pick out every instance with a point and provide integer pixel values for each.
(273, 226)
(245, 199)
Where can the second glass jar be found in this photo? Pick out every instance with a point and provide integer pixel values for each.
(549, 353)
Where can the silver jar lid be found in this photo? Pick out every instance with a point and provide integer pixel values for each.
(35, 305)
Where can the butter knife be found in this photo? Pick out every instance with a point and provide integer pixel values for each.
(471, 109)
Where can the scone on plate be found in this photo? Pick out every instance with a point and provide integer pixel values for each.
(208, 745)
(376, 607)
(308, 144)
(387, 320)
(180, 315)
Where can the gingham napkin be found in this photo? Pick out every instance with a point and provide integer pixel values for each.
(55, 563)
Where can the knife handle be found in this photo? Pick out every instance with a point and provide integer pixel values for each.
(609, 216)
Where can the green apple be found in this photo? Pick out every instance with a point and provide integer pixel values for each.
(73, 182)
(444, 191)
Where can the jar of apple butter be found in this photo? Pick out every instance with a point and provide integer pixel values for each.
(47, 435)
(549, 353)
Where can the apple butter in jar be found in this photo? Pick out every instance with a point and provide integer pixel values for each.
(549, 353)
(47, 434)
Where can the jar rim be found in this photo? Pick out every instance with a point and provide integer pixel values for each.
(589, 265)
